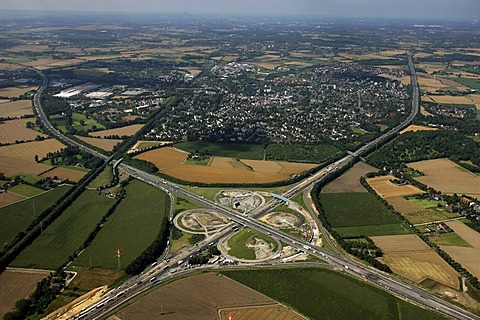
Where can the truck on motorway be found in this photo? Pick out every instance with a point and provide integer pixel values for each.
(180, 262)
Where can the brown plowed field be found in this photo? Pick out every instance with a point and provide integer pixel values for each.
(7, 198)
(164, 157)
(447, 177)
(222, 169)
(13, 130)
(14, 92)
(386, 189)
(201, 297)
(105, 144)
(28, 150)
(65, 173)
(409, 257)
(123, 131)
(15, 109)
(12, 167)
(416, 128)
(402, 205)
(350, 180)
(16, 285)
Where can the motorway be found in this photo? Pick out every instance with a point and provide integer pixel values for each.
(166, 269)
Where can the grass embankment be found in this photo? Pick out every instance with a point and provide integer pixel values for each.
(18, 216)
(238, 243)
(324, 294)
(66, 234)
(131, 228)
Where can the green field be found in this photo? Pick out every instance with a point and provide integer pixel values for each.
(449, 239)
(468, 82)
(324, 294)
(103, 179)
(25, 190)
(372, 231)
(131, 228)
(66, 234)
(232, 150)
(355, 209)
(18, 216)
(237, 243)
(77, 118)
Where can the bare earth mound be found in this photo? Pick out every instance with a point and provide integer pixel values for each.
(200, 297)
(409, 257)
(16, 285)
(447, 177)
(350, 180)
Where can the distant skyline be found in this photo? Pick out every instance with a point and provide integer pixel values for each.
(466, 10)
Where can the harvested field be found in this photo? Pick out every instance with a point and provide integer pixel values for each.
(447, 177)
(8, 197)
(9, 66)
(105, 144)
(15, 109)
(12, 166)
(164, 157)
(416, 128)
(65, 173)
(16, 285)
(350, 180)
(402, 205)
(88, 279)
(123, 131)
(451, 99)
(28, 150)
(409, 257)
(218, 293)
(15, 92)
(222, 169)
(467, 257)
(16, 130)
(466, 233)
(385, 188)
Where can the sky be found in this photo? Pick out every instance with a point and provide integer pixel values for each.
(465, 10)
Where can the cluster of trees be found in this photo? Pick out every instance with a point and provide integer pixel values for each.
(73, 155)
(46, 291)
(150, 254)
(205, 256)
(54, 105)
(465, 126)
(424, 145)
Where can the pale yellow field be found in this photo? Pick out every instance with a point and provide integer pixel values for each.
(466, 233)
(123, 131)
(416, 128)
(193, 71)
(467, 257)
(409, 257)
(15, 92)
(13, 130)
(423, 111)
(65, 173)
(451, 99)
(164, 157)
(222, 169)
(105, 144)
(9, 66)
(28, 150)
(392, 52)
(15, 109)
(384, 188)
(445, 176)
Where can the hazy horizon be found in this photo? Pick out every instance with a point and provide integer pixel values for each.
(460, 10)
